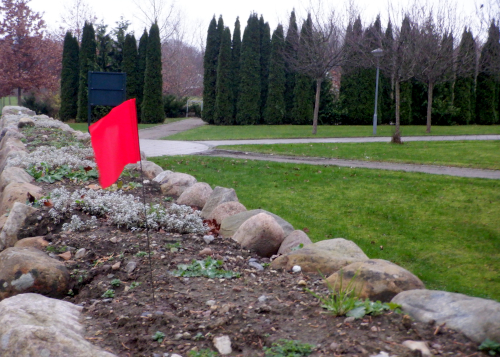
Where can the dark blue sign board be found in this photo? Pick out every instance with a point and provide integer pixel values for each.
(106, 88)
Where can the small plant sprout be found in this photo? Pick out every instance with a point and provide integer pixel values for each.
(116, 282)
(158, 336)
(288, 348)
(134, 284)
(109, 294)
(141, 254)
(492, 347)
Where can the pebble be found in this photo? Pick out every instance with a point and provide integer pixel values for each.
(210, 302)
(116, 266)
(334, 346)
(113, 240)
(223, 344)
(252, 260)
(130, 267)
(80, 253)
(256, 266)
(178, 336)
(110, 276)
(263, 298)
(296, 269)
(374, 329)
(302, 283)
(418, 346)
(208, 239)
(186, 336)
(206, 251)
(65, 255)
(349, 319)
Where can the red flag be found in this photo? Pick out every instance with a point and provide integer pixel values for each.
(115, 140)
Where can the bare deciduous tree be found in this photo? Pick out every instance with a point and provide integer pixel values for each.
(76, 13)
(165, 14)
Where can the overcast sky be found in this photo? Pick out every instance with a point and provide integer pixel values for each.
(201, 11)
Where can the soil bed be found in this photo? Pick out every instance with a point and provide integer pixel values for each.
(254, 310)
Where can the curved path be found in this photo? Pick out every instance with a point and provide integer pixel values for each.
(153, 147)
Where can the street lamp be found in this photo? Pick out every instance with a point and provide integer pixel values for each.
(376, 53)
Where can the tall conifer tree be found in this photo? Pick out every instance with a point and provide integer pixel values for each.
(224, 103)
(387, 77)
(235, 55)
(291, 45)
(87, 62)
(488, 79)
(142, 52)
(303, 92)
(210, 72)
(250, 74)
(130, 66)
(152, 104)
(69, 78)
(464, 83)
(265, 53)
(275, 103)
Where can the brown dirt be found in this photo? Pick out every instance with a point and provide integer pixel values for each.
(126, 323)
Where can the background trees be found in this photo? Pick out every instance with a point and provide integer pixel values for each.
(87, 62)
(152, 107)
(69, 78)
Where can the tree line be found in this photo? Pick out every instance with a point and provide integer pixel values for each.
(326, 72)
(99, 51)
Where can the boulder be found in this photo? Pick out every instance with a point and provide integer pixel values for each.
(11, 142)
(176, 183)
(260, 233)
(34, 242)
(150, 169)
(476, 318)
(10, 132)
(160, 178)
(14, 174)
(15, 221)
(218, 196)
(230, 225)
(25, 122)
(226, 209)
(17, 192)
(376, 279)
(35, 325)
(294, 240)
(17, 110)
(9, 154)
(327, 256)
(196, 195)
(28, 270)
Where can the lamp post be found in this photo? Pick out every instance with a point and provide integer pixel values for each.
(376, 53)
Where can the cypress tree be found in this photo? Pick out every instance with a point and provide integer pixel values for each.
(130, 66)
(303, 108)
(487, 79)
(87, 62)
(210, 72)
(275, 104)
(152, 104)
(387, 78)
(464, 83)
(291, 46)
(118, 45)
(250, 74)
(223, 103)
(265, 53)
(103, 47)
(235, 55)
(69, 78)
(141, 69)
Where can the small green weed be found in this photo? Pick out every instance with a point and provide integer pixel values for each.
(116, 282)
(141, 254)
(175, 245)
(134, 284)
(42, 173)
(209, 268)
(288, 348)
(490, 346)
(109, 294)
(203, 353)
(158, 336)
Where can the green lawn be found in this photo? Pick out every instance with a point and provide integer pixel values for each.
(84, 127)
(444, 229)
(4, 101)
(476, 154)
(213, 132)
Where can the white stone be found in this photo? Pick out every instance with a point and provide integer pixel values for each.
(223, 344)
(296, 269)
(418, 346)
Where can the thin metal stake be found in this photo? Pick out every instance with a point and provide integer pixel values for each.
(147, 235)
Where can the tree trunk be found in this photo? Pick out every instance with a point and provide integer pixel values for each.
(430, 89)
(398, 103)
(19, 96)
(316, 105)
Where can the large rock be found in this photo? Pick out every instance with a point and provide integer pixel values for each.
(224, 210)
(218, 196)
(10, 142)
(376, 279)
(17, 110)
(25, 122)
(34, 325)
(10, 132)
(15, 221)
(150, 169)
(176, 183)
(293, 241)
(196, 195)
(476, 318)
(9, 154)
(14, 174)
(32, 242)
(260, 233)
(17, 192)
(161, 177)
(28, 270)
(327, 256)
(230, 225)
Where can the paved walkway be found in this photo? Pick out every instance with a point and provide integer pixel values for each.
(153, 147)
